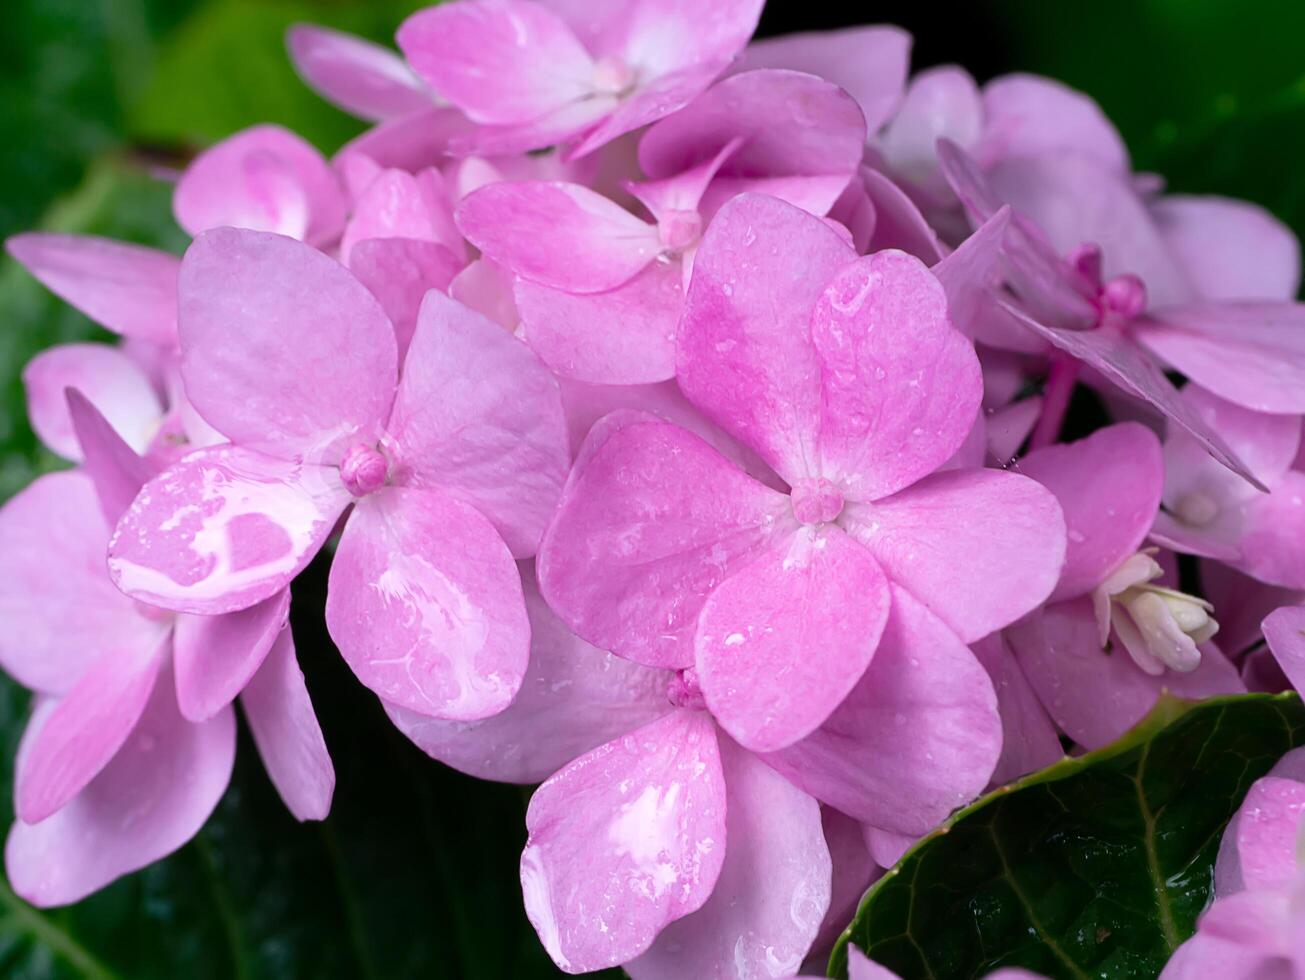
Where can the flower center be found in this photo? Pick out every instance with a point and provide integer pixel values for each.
(363, 469)
(679, 229)
(816, 501)
(1196, 509)
(1159, 627)
(1120, 299)
(683, 691)
(612, 76)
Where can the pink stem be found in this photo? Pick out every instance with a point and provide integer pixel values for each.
(1055, 400)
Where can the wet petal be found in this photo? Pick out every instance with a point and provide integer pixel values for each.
(223, 529)
(215, 656)
(624, 841)
(425, 605)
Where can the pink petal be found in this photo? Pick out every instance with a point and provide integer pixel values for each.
(970, 272)
(1096, 695)
(478, 417)
(1026, 115)
(223, 529)
(264, 178)
(1205, 955)
(940, 103)
(1076, 199)
(1259, 848)
(793, 127)
(499, 61)
(1241, 603)
(861, 967)
(286, 732)
(869, 62)
(129, 289)
(486, 287)
(1249, 353)
(397, 204)
(559, 235)
(663, 37)
(574, 698)
(1272, 540)
(115, 469)
(1029, 740)
(744, 352)
(888, 848)
(282, 349)
(56, 600)
(854, 870)
(772, 892)
(1284, 629)
(363, 78)
(1230, 249)
(107, 377)
(782, 640)
(87, 727)
(898, 221)
(425, 605)
(651, 521)
(624, 336)
(624, 841)
(918, 737)
(1130, 367)
(411, 142)
(1108, 486)
(399, 272)
(899, 386)
(149, 800)
(980, 548)
(215, 656)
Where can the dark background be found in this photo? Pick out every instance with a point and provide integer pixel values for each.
(414, 874)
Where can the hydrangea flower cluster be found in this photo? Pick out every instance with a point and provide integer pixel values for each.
(684, 419)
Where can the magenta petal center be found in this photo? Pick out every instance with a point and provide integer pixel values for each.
(816, 501)
(363, 469)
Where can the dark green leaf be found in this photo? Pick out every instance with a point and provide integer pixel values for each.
(1095, 867)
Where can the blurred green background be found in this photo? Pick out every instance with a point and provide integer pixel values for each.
(414, 874)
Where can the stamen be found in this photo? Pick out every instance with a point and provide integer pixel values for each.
(363, 470)
(1160, 627)
(683, 690)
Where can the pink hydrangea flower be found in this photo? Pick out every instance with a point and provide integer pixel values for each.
(1112, 635)
(451, 470)
(599, 289)
(1256, 926)
(654, 831)
(1106, 325)
(846, 377)
(536, 74)
(131, 742)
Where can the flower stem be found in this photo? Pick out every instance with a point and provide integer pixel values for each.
(1055, 400)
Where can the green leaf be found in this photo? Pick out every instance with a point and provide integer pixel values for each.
(1094, 867)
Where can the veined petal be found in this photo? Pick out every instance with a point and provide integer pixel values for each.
(286, 732)
(1109, 487)
(215, 656)
(624, 841)
(363, 78)
(222, 529)
(899, 385)
(918, 737)
(129, 289)
(153, 796)
(560, 235)
(870, 63)
(773, 889)
(980, 548)
(58, 604)
(624, 336)
(283, 351)
(782, 640)
(744, 351)
(479, 417)
(499, 61)
(574, 698)
(87, 728)
(263, 178)
(425, 605)
(651, 521)
(107, 378)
